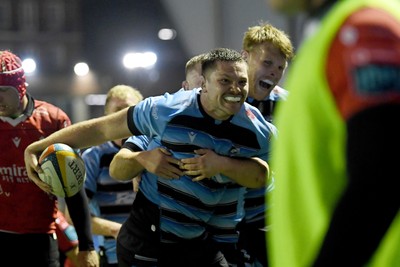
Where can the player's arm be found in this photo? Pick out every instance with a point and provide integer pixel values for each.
(79, 212)
(124, 165)
(80, 135)
(127, 164)
(252, 172)
(134, 158)
(105, 227)
(66, 238)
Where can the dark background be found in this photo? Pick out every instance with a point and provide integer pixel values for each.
(112, 28)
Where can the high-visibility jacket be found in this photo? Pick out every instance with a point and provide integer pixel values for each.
(308, 158)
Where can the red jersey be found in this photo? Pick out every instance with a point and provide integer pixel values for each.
(24, 207)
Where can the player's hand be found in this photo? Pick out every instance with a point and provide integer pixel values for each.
(88, 259)
(34, 170)
(160, 162)
(206, 165)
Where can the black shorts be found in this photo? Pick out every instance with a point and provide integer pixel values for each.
(139, 238)
(29, 249)
(138, 242)
(194, 253)
(252, 242)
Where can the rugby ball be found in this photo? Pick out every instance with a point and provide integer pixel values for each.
(63, 169)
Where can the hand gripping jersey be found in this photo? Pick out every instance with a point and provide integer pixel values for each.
(178, 123)
(39, 120)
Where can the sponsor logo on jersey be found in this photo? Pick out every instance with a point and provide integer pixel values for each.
(376, 79)
(14, 174)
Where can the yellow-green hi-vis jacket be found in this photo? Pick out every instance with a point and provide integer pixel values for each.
(308, 157)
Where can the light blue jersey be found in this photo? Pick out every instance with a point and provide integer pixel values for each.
(179, 123)
(109, 199)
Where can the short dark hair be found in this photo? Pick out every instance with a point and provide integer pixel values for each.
(220, 54)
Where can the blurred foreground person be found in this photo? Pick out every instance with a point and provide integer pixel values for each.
(336, 199)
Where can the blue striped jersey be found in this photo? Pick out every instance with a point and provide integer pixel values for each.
(255, 205)
(108, 198)
(178, 123)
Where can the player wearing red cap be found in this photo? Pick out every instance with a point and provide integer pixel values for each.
(27, 225)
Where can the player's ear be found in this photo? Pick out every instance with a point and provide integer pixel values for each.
(185, 85)
(202, 81)
(245, 54)
(203, 84)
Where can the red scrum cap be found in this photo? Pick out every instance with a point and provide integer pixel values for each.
(12, 73)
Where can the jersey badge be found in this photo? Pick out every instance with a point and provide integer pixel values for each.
(234, 151)
(192, 136)
(16, 141)
(250, 114)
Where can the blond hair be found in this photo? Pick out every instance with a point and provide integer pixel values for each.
(265, 32)
(121, 91)
(193, 61)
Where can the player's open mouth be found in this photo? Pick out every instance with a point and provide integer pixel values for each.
(267, 84)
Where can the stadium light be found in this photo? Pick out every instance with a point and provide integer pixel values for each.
(29, 65)
(139, 60)
(81, 69)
